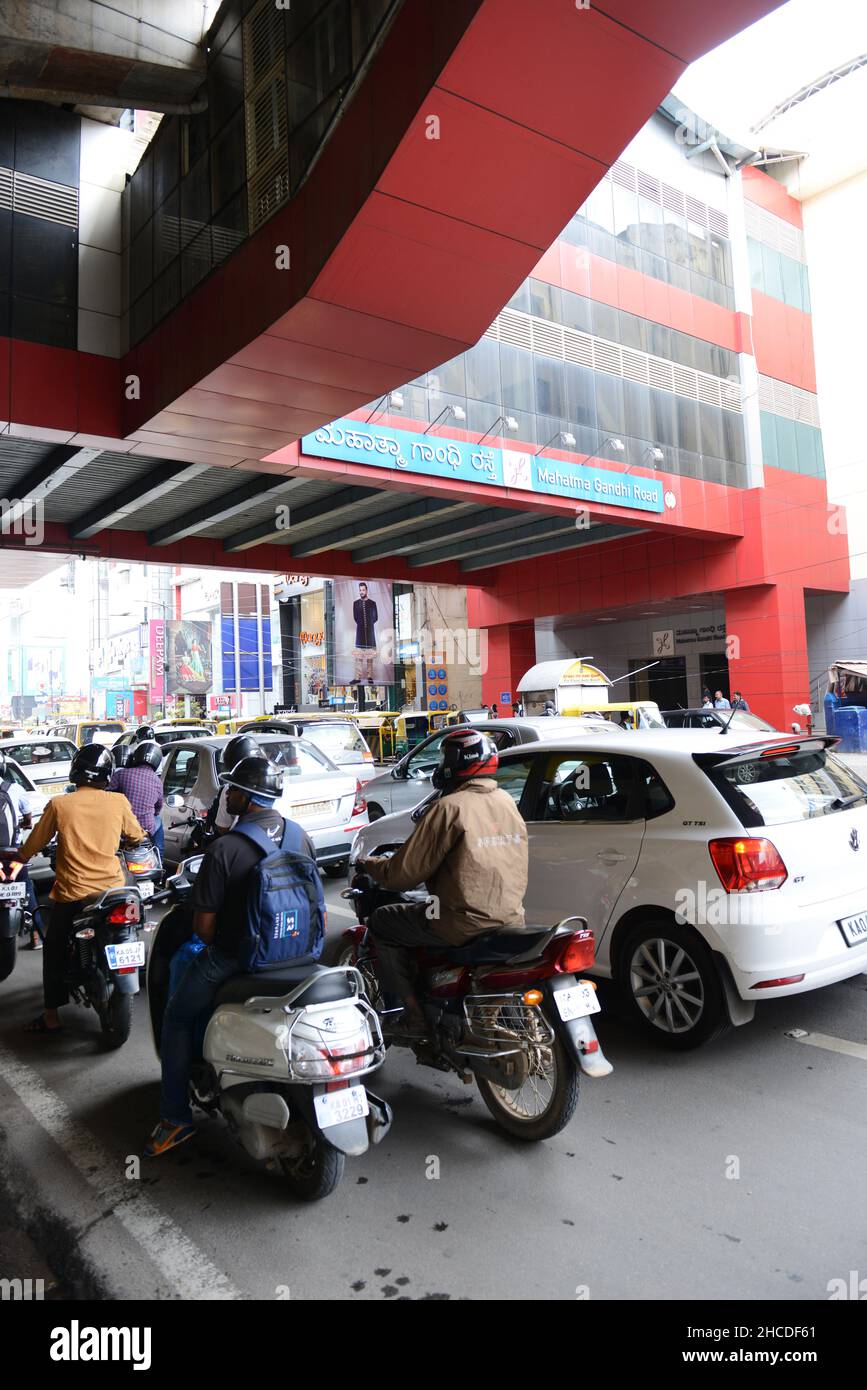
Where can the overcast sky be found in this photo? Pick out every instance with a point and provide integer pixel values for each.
(742, 80)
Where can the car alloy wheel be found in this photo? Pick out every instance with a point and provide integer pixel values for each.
(667, 985)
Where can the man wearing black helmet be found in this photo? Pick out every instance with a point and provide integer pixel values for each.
(219, 818)
(470, 849)
(89, 825)
(219, 906)
(143, 789)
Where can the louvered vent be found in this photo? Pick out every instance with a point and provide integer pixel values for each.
(265, 111)
(56, 202)
(624, 174)
(6, 189)
(537, 334)
(788, 401)
(774, 231)
(547, 338)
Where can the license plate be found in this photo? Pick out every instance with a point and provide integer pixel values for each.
(336, 1107)
(146, 889)
(577, 1001)
(51, 788)
(12, 892)
(124, 954)
(854, 929)
(313, 808)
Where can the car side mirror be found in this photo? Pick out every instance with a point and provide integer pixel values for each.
(175, 801)
(796, 728)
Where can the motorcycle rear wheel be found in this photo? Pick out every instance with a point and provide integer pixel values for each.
(8, 955)
(116, 1020)
(317, 1173)
(543, 1105)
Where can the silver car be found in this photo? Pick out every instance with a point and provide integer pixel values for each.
(324, 799)
(408, 782)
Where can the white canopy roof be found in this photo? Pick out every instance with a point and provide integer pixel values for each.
(548, 675)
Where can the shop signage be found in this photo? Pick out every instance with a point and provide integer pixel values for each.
(433, 456)
(311, 639)
(157, 658)
(711, 632)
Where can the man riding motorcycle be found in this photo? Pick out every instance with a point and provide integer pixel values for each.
(470, 849)
(89, 824)
(143, 789)
(219, 919)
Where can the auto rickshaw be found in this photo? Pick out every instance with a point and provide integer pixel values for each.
(411, 728)
(378, 728)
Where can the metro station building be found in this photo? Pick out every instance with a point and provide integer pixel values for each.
(295, 302)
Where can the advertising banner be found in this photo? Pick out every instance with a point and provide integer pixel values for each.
(157, 658)
(188, 658)
(363, 632)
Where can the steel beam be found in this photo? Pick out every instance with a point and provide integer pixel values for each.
(162, 478)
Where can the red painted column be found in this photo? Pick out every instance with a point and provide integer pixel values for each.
(511, 650)
(766, 636)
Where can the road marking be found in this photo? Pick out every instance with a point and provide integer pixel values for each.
(341, 911)
(849, 1049)
(178, 1259)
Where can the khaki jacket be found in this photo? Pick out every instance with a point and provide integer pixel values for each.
(88, 824)
(470, 849)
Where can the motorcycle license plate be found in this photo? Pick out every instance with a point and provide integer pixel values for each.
(336, 1107)
(146, 889)
(13, 892)
(577, 1002)
(125, 954)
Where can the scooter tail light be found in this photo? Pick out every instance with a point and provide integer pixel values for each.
(747, 865)
(579, 953)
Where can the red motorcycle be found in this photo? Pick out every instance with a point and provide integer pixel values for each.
(509, 1011)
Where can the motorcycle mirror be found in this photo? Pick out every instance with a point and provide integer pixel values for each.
(175, 801)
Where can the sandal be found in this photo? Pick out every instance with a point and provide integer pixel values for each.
(35, 942)
(40, 1026)
(166, 1136)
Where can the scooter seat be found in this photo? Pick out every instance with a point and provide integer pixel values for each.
(273, 984)
(497, 946)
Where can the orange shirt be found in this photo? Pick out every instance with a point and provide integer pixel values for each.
(88, 824)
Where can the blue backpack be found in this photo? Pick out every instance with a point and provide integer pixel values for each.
(285, 902)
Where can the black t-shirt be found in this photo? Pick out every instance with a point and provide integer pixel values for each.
(221, 883)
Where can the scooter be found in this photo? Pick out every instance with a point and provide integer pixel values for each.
(284, 1054)
(510, 1011)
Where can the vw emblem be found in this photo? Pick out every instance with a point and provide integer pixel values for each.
(854, 840)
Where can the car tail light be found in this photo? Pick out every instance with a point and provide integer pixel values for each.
(747, 866)
(579, 953)
(360, 804)
(130, 911)
(367, 756)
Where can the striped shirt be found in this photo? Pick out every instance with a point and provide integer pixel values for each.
(143, 790)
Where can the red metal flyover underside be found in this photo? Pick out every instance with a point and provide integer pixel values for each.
(478, 130)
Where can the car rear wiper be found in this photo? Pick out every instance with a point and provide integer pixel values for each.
(841, 802)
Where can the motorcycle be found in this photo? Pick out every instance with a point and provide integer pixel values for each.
(284, 1054)
(15, 916)
(104, 955)
(509, 1010)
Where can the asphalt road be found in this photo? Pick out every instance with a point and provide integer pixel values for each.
(731, 1172)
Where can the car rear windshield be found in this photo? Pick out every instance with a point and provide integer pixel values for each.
(45, 751)
(164, 736)
(91, 733)
(340, 741)
(298, 761)
(787, 787)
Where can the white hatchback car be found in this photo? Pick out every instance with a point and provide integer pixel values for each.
(715, 870)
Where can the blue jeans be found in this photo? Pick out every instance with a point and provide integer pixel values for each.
(194, 994)
(35, 910)
(159, 835)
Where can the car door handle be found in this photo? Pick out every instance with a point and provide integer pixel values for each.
(611, 856)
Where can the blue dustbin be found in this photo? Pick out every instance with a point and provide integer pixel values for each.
(832, 704)
(846, 727)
